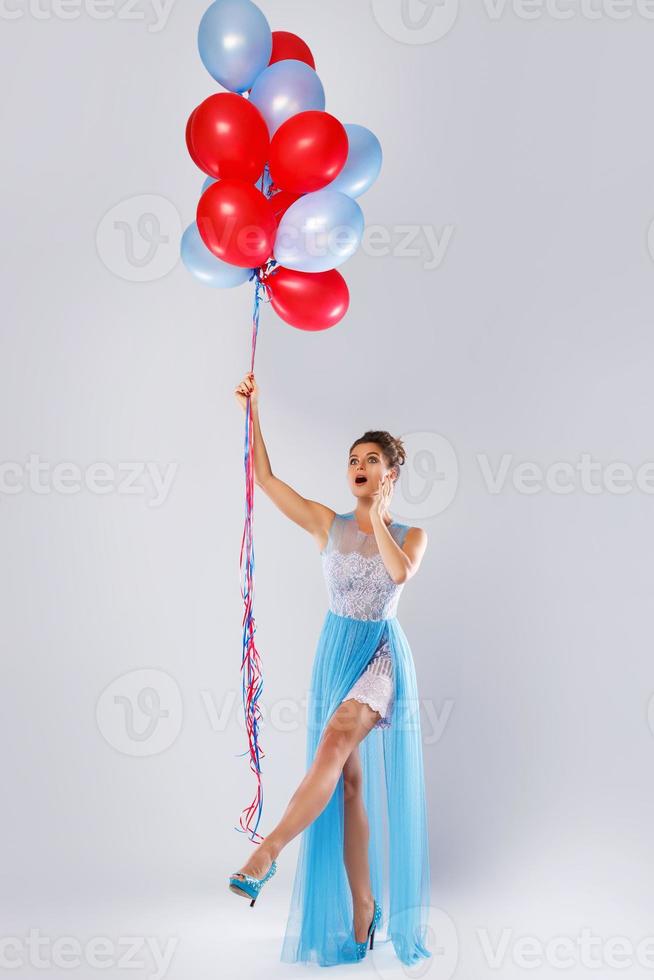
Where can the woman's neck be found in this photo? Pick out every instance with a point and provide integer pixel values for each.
(362, 515)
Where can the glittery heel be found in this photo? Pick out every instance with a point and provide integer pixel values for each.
(362, 947)
(249, 887)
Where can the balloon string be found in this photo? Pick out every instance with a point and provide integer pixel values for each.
(251, 669)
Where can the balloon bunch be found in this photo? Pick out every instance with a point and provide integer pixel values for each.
(279, 202)
(278, 206)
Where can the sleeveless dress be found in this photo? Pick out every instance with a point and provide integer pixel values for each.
(363, 652)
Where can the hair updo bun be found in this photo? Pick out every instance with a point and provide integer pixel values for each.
(392, 447)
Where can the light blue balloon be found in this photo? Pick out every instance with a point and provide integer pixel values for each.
(364, 160)
(284, 89)
(235, 43)
(207, 267)
(319, 231)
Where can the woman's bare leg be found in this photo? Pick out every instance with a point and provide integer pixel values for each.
(349, 724)
(357, 839)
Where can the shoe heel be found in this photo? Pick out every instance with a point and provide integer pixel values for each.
(250, 887)
(372, 937)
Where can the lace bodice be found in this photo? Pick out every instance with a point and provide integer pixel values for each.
(358, 583)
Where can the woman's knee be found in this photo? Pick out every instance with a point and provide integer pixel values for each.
(349, 724)
(352, 777)
(334, 748)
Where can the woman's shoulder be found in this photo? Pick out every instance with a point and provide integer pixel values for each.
(416, 532)
(411, 532)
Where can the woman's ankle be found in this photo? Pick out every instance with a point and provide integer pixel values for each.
(270, 845)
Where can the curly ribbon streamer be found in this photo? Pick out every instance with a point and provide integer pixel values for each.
(252, 676)
(251, 669)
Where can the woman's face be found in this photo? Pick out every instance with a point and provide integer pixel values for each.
(365, 469)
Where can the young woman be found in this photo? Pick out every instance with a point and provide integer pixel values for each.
(361, 803)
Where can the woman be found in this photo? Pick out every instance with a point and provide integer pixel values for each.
(364, 738)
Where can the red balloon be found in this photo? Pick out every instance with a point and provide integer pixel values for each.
(281, 202)
(308, 151)
(308, 300)
(230, 137)
(286, 45)
(237, 223)
(189, 145)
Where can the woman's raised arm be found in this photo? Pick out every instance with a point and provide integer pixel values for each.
(314, 517)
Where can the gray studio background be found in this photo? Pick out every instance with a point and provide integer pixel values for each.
(523, 146)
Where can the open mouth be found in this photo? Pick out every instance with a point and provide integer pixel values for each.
(361, 479)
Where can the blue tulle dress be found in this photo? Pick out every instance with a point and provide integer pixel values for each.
(361, 627)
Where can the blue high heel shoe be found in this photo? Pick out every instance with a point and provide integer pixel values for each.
(249, 887)
(361, 947)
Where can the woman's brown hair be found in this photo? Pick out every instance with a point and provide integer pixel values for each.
(392, 448)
